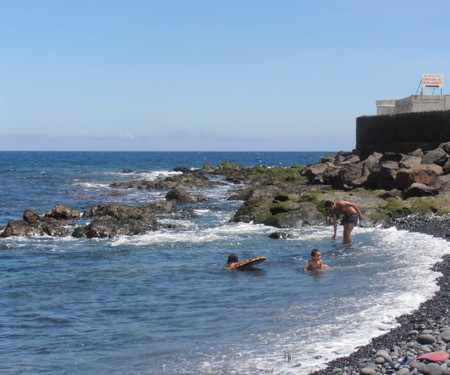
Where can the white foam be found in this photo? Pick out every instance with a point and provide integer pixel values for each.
(150, 176)
(315, 232)
(193, 236)
(202, 212)
(91, 185)
(156, 175)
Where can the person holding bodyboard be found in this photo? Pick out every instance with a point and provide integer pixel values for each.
(233, 262)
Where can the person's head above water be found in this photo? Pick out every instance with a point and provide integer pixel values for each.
(315, 263)
(232, 258)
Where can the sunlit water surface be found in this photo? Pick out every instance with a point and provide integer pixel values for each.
(161, 303)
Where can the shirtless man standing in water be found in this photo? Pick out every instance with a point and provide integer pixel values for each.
(351, 214)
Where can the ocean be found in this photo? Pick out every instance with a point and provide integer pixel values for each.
(161, 303)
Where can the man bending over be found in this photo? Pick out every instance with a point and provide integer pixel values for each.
(351, 214)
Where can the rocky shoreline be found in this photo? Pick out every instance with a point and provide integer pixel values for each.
(425, 330)
(390, 189)
(385, 187)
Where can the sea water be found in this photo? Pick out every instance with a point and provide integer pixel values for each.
(161, 302)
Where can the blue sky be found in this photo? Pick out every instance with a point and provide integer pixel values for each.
(230, 75)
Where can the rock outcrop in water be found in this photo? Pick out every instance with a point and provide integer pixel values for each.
(110, 220)
(187, 179)
(181, 196)
(56, 223)
(385, 187)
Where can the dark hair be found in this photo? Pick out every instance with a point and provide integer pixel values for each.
(232, 258)
(314, 252)
(328, 204)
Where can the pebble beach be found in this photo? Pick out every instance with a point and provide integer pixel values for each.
(425, 330)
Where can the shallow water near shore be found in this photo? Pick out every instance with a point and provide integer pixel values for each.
(162, 302)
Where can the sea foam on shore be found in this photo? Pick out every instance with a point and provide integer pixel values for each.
(425, 330)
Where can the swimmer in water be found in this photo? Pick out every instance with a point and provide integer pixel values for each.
(315, 263)
(232, 261)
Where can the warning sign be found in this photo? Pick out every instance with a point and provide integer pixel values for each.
(432, 81)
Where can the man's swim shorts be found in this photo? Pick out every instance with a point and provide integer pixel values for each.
(353, 219)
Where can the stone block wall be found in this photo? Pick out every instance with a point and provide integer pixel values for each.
(404, 132)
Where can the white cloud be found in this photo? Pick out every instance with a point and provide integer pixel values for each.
(127, 136)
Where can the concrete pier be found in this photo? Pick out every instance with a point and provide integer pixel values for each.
(414, 103)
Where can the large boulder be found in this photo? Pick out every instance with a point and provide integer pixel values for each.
(328, 158)
(259, 201)
(22, 228)
(181, 196)
(409, 161)
(418, 189)
(345, 157)
(347, 174)
(285, 203)
(419, 153)
(446, 167)
(391, 156)
(123, 212)
(314, 173)
(437, 156)
(384, 176)
(61, 212)
(264, 192)
(351, 159)
(43, 227)
(33, 225)
(360, 182)
(305, 214)
(119, 220)
(371, 163)
(227, 167)
(425, 174)
(31, 217)
(446, 147)
(107, 228)
(209, 168)
(441, 183)
(331, 175)
(240, 195)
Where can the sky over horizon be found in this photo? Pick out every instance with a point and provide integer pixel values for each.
(247, 75)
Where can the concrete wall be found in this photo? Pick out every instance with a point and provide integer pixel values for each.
(403, 132)
(414, 103)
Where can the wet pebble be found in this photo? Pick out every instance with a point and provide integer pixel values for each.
(445, 336)
(425, 339)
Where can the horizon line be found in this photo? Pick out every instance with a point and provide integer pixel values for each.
(247, 151)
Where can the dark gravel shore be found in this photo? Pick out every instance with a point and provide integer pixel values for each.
(426, 329)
